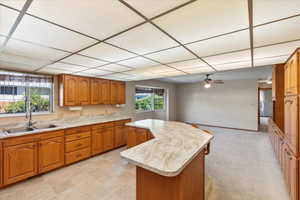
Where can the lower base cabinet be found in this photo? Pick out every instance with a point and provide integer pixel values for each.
(26, 156)
(20, 162)
(137, 136)
(51, 154)
(288, 161)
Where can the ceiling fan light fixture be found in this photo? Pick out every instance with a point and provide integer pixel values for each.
(207, 85)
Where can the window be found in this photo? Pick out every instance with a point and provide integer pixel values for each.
(15, 87)
(149, 99)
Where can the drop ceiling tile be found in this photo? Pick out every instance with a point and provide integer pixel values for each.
(271, 60)
(84, 61)
(171, 55)
(107, 52)
(95, 72)
(18, 4)
(188, 64)
(276, 50)
(99, 19)
(20, 62)
(153, 8)
(174, 73)
(229, 58)
(281, 31)
(138, 62)
(66, 67)
(140, 40)
(27, 49)
(227, 43)
(204, 19)
(50, 35)
(232, 66)
(7, 19)
(50, 70)
(159, 69)
(114, 68)
(196, 70)
(266, 11)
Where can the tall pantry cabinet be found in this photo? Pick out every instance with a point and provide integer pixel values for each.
(286, 140)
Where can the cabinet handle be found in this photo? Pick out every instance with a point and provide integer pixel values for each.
(78, 136)
(78, 145)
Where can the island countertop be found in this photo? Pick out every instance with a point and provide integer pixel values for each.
(174, 146)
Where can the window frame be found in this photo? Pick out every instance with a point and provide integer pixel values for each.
(152, 99)
(27, 88)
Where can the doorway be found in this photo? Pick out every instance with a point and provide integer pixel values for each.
(265, 107)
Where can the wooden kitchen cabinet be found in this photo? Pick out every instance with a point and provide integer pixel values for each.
(68, 90)
(51, 154)
(97, 142)
(96, 91)
(106, 89)
(120, 135)
(114, 92)
(77, 90)
(108, 138)
(292, 122)
(292, 73)
(20, 162)
(121, 92)
(1, 165)
(278, 94)
(83, 91)
(137, 136)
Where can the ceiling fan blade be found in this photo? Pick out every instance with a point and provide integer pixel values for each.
(218, 82)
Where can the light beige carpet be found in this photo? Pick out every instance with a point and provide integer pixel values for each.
(242, 166)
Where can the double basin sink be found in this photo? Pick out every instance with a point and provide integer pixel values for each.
(28, 129)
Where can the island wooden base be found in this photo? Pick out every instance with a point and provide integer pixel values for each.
(188, 185)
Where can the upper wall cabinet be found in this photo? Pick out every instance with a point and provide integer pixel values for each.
(292, 75)
(77, 90)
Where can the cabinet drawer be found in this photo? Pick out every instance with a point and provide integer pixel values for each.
(78, 144)
(78, 155)
(77, 136)
(76, 130)
(20, 140)
(103, 125)
(52, 134)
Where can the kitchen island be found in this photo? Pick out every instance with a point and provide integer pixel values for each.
(171, 164)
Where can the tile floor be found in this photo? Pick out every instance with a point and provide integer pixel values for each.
(241, 166)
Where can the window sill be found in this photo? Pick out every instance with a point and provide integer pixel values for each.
(23, 114)
(143, 111)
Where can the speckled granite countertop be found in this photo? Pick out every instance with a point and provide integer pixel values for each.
(175, 145)
(64, 124)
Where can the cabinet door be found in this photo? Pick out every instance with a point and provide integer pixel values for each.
(114, 92)
(105, 89)
(1, 165)
(108, 138)
(121, 94)
(294, 179)
(291, 122)
(70, 90)
(95, 91)
(120, 135)
(97, 142)
(293, 64)
(20, 162)
(274, 83)
(84, 91)
(141, 135)
(131, 137)
(51, 154)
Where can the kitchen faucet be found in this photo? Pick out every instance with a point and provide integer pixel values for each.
(28, 115)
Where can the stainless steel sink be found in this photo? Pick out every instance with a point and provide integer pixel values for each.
(25, 129)
(43, 126)
(18, 130)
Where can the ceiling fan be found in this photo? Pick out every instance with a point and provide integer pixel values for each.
(208, 81)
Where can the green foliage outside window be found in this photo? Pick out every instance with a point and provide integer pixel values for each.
(38, 104)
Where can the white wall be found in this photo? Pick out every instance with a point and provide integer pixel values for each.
(233, 104)
(170, 109)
